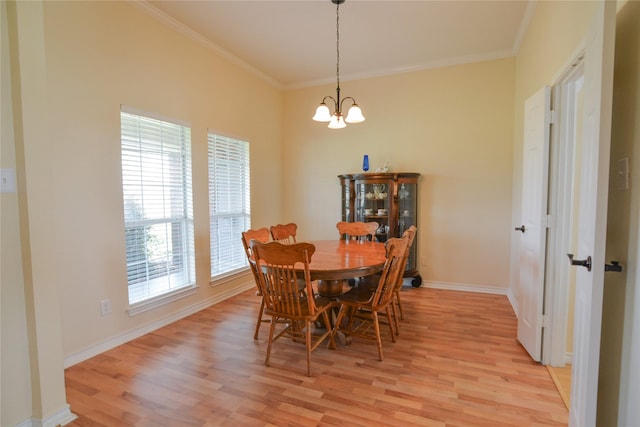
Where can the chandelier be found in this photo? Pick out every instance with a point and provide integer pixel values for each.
(323, 114)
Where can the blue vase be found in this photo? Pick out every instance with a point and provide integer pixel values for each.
(365, 163)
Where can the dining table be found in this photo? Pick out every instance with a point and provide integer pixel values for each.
(338, 260)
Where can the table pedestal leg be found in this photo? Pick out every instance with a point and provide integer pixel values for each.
(333, 289)
(330, 288)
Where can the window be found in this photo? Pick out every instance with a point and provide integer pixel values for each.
(158, 208)
(229, 203)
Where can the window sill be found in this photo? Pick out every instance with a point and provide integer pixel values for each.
(229, 277)
(161, 300)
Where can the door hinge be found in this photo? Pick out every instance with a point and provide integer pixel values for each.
(547, 221)
(545, 321)
(552, 116)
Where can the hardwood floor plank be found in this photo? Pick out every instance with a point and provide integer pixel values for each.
(456, 362)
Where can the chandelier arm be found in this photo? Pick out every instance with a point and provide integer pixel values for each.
(335, 103)
(345, 98)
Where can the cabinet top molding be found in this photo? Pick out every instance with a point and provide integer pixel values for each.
(382, 175)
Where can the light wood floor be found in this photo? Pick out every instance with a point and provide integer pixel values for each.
(562, 379)
(456, 363)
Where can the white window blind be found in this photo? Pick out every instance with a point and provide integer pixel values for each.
(229, 202)
(158, 207)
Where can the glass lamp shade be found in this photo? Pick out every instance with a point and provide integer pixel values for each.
(354, 115)
(337, 122)
(322, 113)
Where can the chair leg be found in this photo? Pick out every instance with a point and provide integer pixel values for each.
(393, 335)
(395, 319)
(271, 331)
(397, 298)
(376, 327)
(308, 342)
(260, 320)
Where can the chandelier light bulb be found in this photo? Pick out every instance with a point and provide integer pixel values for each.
(354, 115)
(322, 113)
(337, 122)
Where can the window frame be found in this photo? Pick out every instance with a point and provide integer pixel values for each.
(238, 194)
(157, 144)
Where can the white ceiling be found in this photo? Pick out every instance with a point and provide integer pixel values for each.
(293, 43)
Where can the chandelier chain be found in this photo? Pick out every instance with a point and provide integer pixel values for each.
(338, 43)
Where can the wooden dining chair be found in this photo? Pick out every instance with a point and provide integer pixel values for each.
(284, 233)
(357, 230)
(411, 235)
(283, 301)
(362, 307)
(260, 235)
(372, 281)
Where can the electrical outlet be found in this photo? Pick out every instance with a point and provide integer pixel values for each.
(105, 307)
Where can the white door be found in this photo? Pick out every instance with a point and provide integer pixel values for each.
(535, 173)
(592, 216)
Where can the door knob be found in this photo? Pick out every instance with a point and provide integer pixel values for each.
(614, 266)
(580, 262)
(521, 228)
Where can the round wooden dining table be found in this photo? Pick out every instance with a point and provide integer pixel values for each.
(335, 261)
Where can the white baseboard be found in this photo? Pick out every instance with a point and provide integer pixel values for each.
(513, 301)
(465, 287)
(113, 342)
(60, 418)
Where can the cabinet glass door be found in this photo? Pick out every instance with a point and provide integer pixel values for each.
(372, 201)
(407, 212)
(406, 206)
(346, 202)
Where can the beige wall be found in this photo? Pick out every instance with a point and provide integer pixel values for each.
(93, 67)
(16, 376)
(620, 344)
(42, 311)
(454, 126)
(79, 61)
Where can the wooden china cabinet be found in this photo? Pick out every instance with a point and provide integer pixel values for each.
(391, 200)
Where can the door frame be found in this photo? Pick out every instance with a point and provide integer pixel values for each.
(561, 198)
